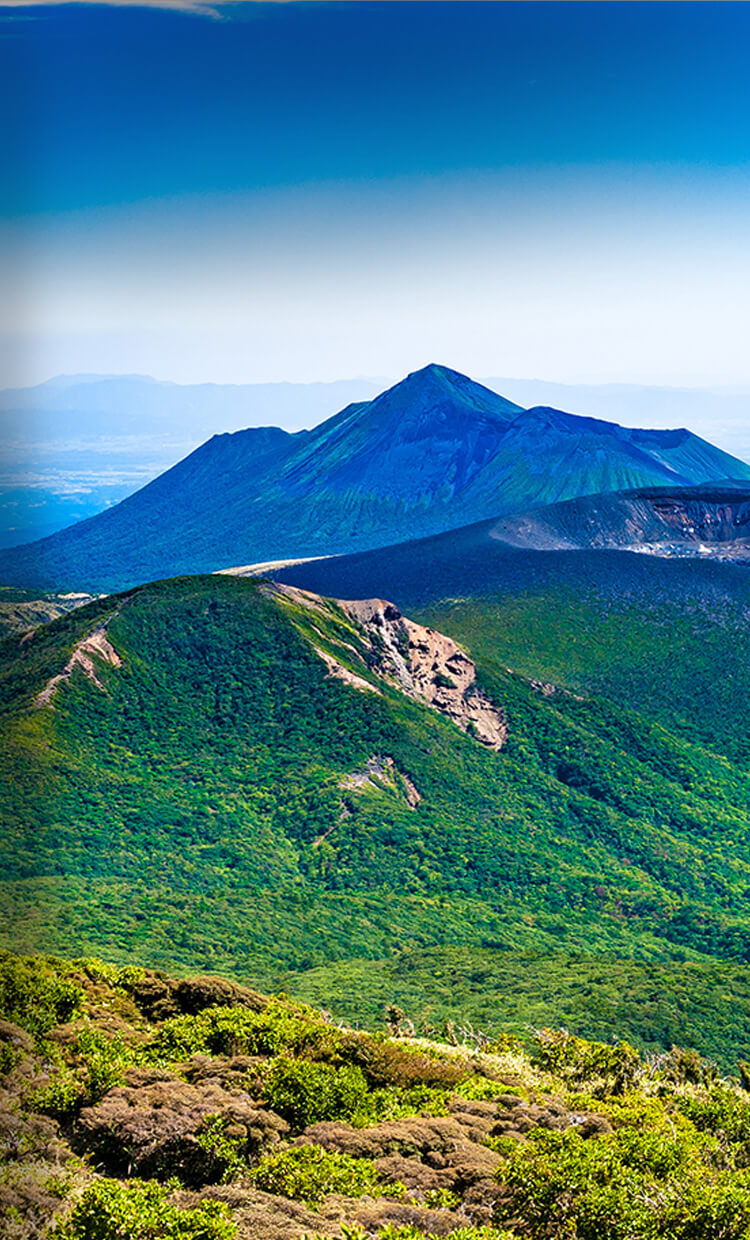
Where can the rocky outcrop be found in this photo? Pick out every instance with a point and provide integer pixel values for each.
(420, 662)
(712, 521)
(428, 666)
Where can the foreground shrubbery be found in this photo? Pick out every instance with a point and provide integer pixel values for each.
(566, 1140)
(110, 1210)
(309, 1173)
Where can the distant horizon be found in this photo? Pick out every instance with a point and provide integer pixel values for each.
(95, 375)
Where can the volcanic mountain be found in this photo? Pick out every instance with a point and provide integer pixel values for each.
(433, 453)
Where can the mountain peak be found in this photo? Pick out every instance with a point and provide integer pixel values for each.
(435, 386)
(433, 370)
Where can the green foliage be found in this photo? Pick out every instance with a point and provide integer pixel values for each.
(136, 1210)
(236, 1030)
(104, 1060)
(33, 996)
(225, 1149)
(603, 1069)
(441, 1199)
(652, 1004)
(632, 1184)
(309, 1173)
(683, 1065)
(720, 1111)
(654, 1148)
(216, 757)
(306, 1093)
(60, 1097)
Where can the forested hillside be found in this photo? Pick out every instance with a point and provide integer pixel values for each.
(189, 779)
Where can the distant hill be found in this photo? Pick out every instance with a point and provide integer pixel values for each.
(215, 770)
(705, 520)
(432, 453)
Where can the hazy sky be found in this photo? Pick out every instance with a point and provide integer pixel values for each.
(303, 191)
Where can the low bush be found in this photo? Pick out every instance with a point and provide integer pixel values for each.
(720, 1111)
(305, 1093)
(238, 1031)
(309, 1173)
(627, 1185)
(604, 1069)
(34, 996)
(138, 1210)
(103, 1061)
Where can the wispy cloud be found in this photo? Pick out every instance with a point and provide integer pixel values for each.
(195, 7)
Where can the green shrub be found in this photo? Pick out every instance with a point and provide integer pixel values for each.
(396, 1102)
(237, 1031)
(104, 1061)
(682, 1066)
(480, 1088)
(441, 1199)
(720, 1111)
(33, 996)
(60, 1098)
(305, 1093)
(603, 1068)
(633, 1184)
(9, 1056)
(129, 976)
(96, 970)
(135, 1210)
(98, 1066)
(309, 1173)
(225, 1150)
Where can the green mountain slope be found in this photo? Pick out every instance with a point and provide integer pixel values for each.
(667, 638)
(216, 795)
(430, 454)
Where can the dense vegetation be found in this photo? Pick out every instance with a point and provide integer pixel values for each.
(198, 811)
(136, 1106)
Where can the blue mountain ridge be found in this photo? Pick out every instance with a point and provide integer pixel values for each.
(432, 453)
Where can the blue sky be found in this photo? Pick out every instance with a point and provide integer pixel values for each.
(315, 191)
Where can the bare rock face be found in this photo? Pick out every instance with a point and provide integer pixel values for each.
(153, 1129)
(383, 773)
(428, 666)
